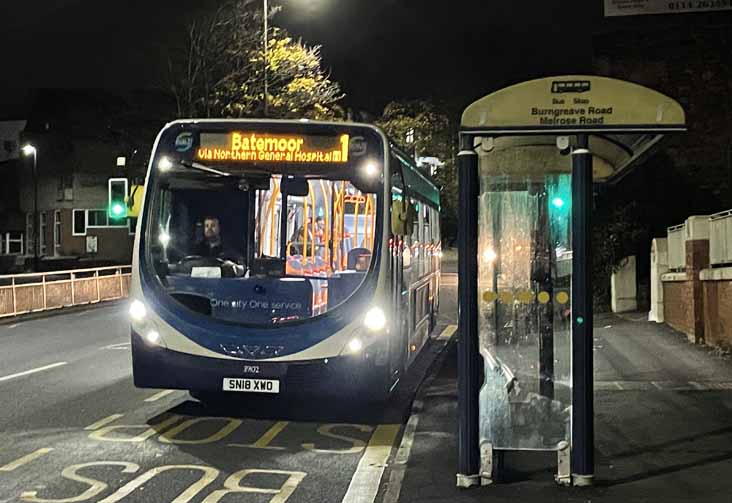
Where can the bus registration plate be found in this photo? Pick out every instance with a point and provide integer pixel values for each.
(251, 385)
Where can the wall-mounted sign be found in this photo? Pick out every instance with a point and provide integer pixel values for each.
(574, 102)
(264, 147)
(640, 7)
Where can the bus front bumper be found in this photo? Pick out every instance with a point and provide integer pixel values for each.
(157, 367)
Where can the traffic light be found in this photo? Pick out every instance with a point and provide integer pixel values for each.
(117, 202)
(559, 206)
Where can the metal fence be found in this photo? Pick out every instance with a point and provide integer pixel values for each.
(36, 292)
(720, 238)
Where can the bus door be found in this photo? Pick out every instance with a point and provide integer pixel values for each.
(399, 288)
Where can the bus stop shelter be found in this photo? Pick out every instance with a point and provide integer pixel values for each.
(529, 155)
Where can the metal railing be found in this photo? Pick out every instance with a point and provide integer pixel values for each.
(36, 292)
(720, 238)
(676, 248)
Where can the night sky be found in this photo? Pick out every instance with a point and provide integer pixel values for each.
(377, 49)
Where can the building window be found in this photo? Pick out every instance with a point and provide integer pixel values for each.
(96, 218)
(65, 188)
(11, 243)
(42, 233)
(78, 227)
(92, 219)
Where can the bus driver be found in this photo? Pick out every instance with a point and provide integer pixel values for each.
(210, 245)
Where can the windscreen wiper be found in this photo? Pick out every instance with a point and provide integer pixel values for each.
(201, 167)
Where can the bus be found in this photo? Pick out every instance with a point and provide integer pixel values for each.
(283, 258)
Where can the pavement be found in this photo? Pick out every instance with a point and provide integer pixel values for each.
(663, 428)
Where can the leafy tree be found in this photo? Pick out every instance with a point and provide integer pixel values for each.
(431, 132)
(221, 71)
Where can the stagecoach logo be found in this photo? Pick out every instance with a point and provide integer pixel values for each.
(184, 142)
(252, 351)
(570, 86)
(251, 369)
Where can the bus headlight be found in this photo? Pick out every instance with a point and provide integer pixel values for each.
(138, 311)
(375, 319)
(165, 164)
(355, 345)
(153, 337)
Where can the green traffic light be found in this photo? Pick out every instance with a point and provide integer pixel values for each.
(117, 211)
(558, 202)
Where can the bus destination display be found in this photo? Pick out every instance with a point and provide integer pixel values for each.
(242, 147)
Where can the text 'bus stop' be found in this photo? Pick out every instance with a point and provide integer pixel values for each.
(529, 156)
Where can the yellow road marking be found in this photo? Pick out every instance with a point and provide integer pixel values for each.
(327, 431)
(169, 437)
(25, 459)
(264, 441)
(365, 482)
(448, 332)
(158, 396)
(103, 422)
(150, 431)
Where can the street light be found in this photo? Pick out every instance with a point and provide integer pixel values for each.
(266, 15)
(29, 150)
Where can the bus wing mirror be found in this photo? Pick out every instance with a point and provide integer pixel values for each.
(401, 217)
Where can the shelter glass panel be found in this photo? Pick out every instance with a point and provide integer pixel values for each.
(525, 273)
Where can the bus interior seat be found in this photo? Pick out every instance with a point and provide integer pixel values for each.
(355, 258)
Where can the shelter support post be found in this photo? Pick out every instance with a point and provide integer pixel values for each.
(468, 355)
(582, 458)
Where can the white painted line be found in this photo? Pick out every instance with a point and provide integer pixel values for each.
(405, 447)
(120, 345)
(25, 459)
(396, 477)
(447, 332)
(13, 325)
(656, 384)
(158, 396)
(32, 371)
(365, 482)
(618, 385)
(103, 422)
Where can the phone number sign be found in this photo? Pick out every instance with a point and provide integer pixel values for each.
(640, 7)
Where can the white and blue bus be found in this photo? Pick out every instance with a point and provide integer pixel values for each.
(282, 257)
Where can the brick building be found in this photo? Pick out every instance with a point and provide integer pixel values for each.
(79, 136)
